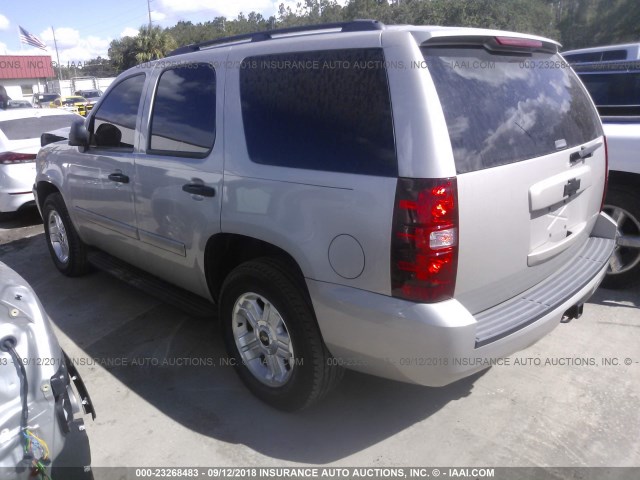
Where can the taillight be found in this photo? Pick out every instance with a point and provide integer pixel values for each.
(606, 173)
(9, 158)
(424, 243)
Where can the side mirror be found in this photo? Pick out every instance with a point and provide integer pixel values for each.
(79, 135)
(47, 138)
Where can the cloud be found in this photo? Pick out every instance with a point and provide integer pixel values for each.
(129, 32)
(65, 37)
(214, 9)
(175, 10)
(71, 46)
(157, 16)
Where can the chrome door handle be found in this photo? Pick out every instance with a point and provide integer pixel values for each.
(119, 177)
(198, 189)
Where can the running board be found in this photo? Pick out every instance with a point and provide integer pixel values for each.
(188, 302)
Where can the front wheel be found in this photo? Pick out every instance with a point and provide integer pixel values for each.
(68, 252)
(272, 336)
(622, 203)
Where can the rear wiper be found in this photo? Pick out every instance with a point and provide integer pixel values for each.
(527, 133)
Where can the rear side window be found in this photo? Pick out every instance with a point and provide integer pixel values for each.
(24, 128)
(183, 119)
(114, 123)
(502, 108)
(584, 57)
(322, 110)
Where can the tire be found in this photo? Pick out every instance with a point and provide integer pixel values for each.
(296, 370)
(7, 216)
(68, 252)
(622, 203)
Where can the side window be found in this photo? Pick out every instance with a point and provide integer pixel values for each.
(183, 119)
(114, 123)
(614, 55)
(323, 110)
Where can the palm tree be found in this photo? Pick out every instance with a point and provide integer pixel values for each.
(153, 43)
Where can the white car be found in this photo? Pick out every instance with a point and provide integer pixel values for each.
(20, 131)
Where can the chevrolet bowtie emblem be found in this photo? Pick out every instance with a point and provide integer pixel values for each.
(571, 187)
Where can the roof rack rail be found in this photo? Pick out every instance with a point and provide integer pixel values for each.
(352, 26)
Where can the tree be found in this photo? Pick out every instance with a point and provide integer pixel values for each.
(150, 44)
(122, 53)
(309, 12)
(590, 23)
(575, 23)
(153, 43)
(98, 67)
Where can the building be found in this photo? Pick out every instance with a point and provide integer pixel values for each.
(22, 75)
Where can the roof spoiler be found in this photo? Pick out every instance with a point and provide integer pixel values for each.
(497, 43)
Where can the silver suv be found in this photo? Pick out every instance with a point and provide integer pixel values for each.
(405, 201)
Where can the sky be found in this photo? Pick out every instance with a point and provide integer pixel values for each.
(84, 29)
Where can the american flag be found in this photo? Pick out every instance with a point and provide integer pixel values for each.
(29, 39)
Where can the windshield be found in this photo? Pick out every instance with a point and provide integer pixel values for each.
(504, 108)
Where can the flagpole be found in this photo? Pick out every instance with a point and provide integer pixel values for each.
(55, 43)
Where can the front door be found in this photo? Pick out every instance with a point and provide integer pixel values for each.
(101, 178)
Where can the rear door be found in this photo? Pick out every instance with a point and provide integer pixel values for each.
(518, 119)
(178, 185)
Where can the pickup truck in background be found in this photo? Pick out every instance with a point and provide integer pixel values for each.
(615, 89)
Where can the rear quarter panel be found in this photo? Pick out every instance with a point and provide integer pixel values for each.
(335, 225)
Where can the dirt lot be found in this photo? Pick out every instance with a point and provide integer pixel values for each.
(570, 400)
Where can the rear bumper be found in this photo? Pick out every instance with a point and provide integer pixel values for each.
(436, 344)
(11, 202)
(15, 186)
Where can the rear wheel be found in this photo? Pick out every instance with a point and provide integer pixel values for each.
(273, 338)
(623, 205)
(68, 252)
(6, 216)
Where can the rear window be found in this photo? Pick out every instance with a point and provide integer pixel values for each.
(505, 108)
(613, 89)
(24, 128)
(320, 110)
(614, 55)
(47, 98)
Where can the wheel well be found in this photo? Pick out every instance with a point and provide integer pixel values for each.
(624, 178)
(225, 251)
(45, 189)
